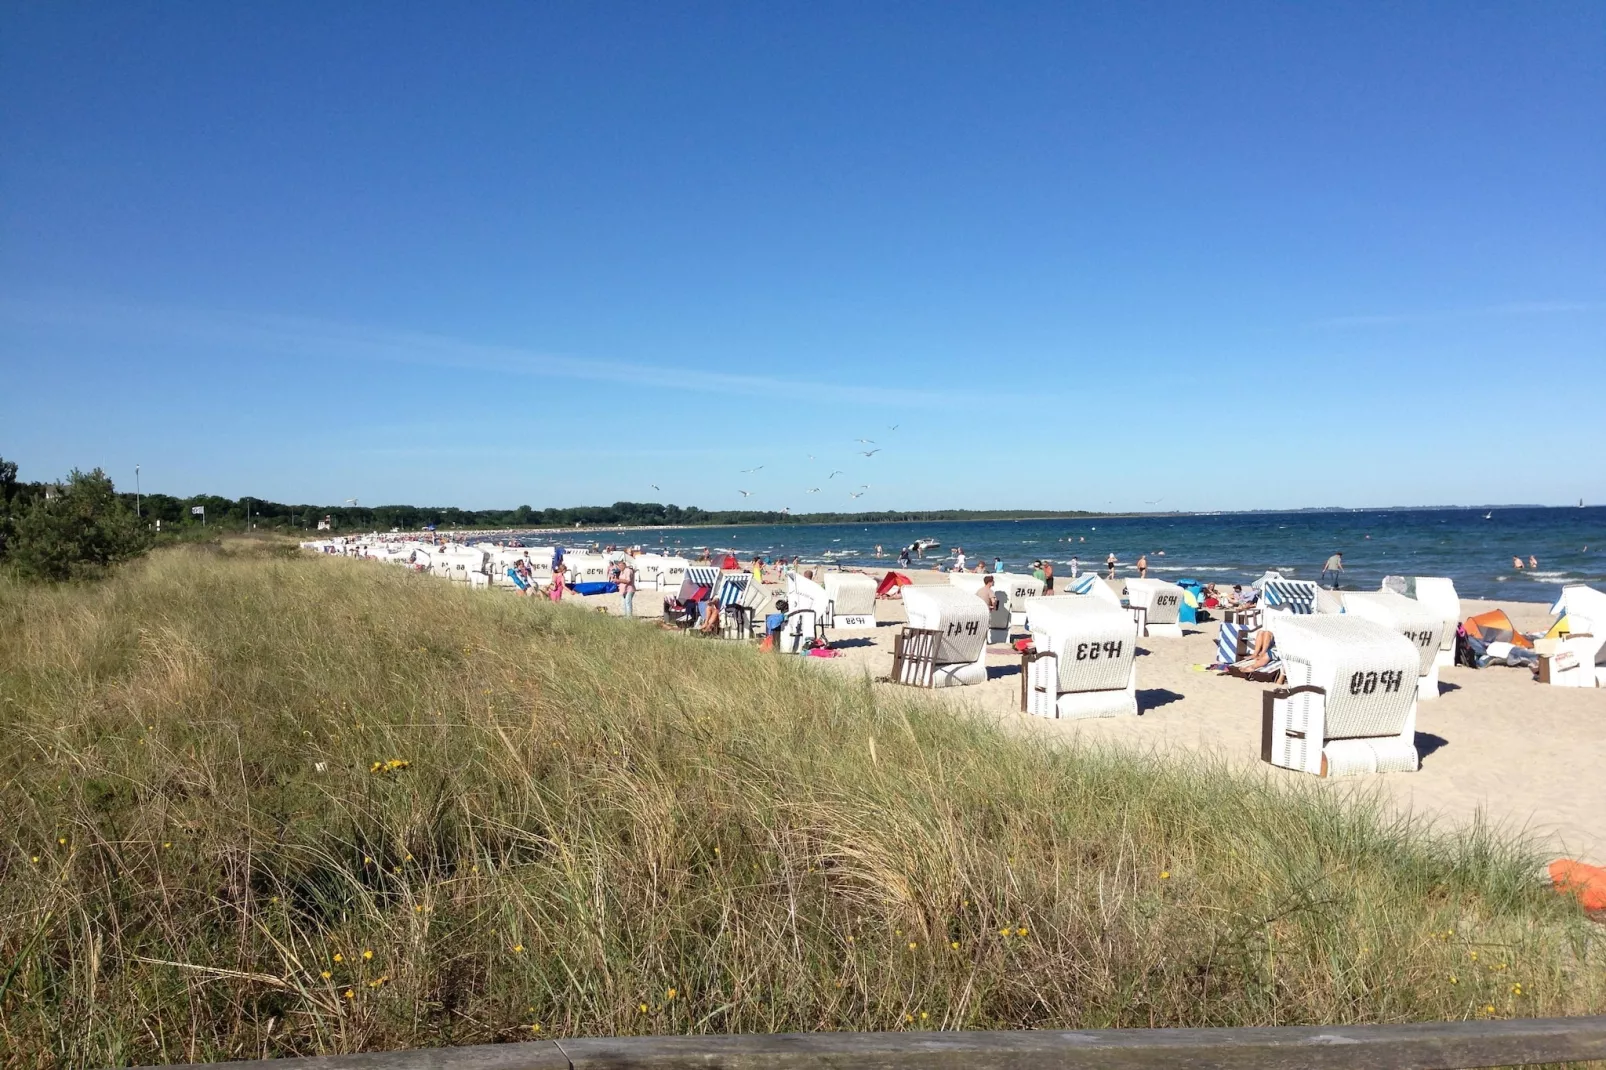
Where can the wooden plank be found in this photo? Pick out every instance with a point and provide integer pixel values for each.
(1426, 1046)
(1433, 1046)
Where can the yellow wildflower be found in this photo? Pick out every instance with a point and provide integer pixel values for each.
(1021, 931)
(326, 975)
(923, 1016)
(1516, 990)
(339, 957)
(954, 945)
(1165, 874)
(671, 993)
(536, 1028)
(913, 946)
(643, 1008)
(349, 994)
(518, 949)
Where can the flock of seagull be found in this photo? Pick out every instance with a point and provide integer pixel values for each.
(852, 494)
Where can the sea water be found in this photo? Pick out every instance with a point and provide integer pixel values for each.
(1474, 550)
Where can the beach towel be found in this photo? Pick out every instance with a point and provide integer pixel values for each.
(594, 588)
(1588, 883)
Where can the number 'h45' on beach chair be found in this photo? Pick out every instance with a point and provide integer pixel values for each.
(1155, 605)
(1085, 661)
(1350, 702)
(945, 641)
(1419, 623)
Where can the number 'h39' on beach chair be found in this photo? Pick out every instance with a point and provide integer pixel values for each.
(1350, 702)
(1155, 606)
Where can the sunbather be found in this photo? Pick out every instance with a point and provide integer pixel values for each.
(1259, 657)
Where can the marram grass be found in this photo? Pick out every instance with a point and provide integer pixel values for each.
(264, 805)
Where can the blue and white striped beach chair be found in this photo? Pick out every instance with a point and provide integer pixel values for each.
(1290, 596)
(730, 588)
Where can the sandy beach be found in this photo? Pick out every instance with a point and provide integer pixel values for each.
(1494, 743)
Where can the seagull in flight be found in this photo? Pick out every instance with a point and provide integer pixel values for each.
(750, 471)
(894, 427)
(814, 490)
(833, 475)
(654, 486)
(1156, 501)
(867, 441)
(856, 494)
(745, 493)
(871, 453)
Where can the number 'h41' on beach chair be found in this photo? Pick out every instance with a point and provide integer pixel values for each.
(1155, 605)
(1419, 623)
(1085, 661)
(1350, 702)
(945, 641)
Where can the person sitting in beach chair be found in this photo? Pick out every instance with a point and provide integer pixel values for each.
(711, 619)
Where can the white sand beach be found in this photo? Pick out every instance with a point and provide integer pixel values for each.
(1524, 755)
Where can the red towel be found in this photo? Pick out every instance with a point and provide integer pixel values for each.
(1588, 883)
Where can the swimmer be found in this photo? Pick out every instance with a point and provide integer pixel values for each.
(1516, 563)
(1533, 562)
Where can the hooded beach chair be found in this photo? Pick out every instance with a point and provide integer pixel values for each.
(1001, 617)
(945, 641)
(1087, 585)
(1155, 605)
(804, 593)
(1438, 594)
(1349, 705)
(1573, 653)
(1084, 663)
(1419, 623)
(851, 596)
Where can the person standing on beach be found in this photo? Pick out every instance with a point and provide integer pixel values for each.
(1076, 568)
(1335, 565)
(985, 592)
(1048, 577)
(559, 572)
(1143, 566)
(959, 559)
(627, 587)
(1109, 563)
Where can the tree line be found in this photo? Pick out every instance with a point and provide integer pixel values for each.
(80, 525)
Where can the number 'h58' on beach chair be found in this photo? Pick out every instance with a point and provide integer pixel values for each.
(1085, 662)
(852, 599)
(1350, 702)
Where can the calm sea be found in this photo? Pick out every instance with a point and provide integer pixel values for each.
(1464, 544)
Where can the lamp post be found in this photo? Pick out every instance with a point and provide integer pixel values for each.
(136, 493)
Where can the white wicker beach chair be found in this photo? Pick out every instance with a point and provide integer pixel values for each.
(1438, 594)
(1419, 623)
(1349, 705)
(999, 619)
(1154, 605)
(804, 593)
(584, 568)
(1579, 658)
(852, 599)
(1085, 663)
(945, 642)
(800, 626)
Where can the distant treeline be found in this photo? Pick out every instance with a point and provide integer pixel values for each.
(16, 497)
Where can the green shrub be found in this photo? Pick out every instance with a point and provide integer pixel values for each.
(77, 533)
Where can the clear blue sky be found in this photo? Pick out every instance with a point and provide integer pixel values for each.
(1204, 256)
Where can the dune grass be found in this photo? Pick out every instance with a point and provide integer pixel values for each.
(264, 804)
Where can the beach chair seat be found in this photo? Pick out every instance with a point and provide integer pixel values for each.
(1084, 663)
(1419, 623)
(1155, 606)
(804, 593)
(945, 641)
(800, 627)
(1348, 706)
(851, 597)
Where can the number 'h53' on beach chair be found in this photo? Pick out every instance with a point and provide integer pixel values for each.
(945, 641)
(1155, 605)
(1085, 662)
(1417, 622)
(1350, 702)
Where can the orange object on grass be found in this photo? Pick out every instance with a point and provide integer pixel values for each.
(1588, 883)
(1495, 627)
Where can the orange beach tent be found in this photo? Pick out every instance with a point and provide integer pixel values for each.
(1495, 627)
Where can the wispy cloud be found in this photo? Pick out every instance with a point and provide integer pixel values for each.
(265, 335)
(1515, 308)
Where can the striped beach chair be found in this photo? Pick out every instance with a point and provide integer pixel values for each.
(1290, 596)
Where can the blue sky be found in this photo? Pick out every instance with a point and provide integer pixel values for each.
(1083, 256)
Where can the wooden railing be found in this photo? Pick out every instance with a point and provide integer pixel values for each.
(1429, 1046)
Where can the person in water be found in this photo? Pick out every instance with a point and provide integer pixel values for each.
(1516, 562)
(1143, 566)
(1335, 565)
(1109, 564)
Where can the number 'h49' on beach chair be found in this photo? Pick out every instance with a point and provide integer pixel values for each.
(1419, 623)
(1350, 702)
(1085, 662)
(945, 641)
(1155, 605)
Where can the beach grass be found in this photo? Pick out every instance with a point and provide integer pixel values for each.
(259, 803)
